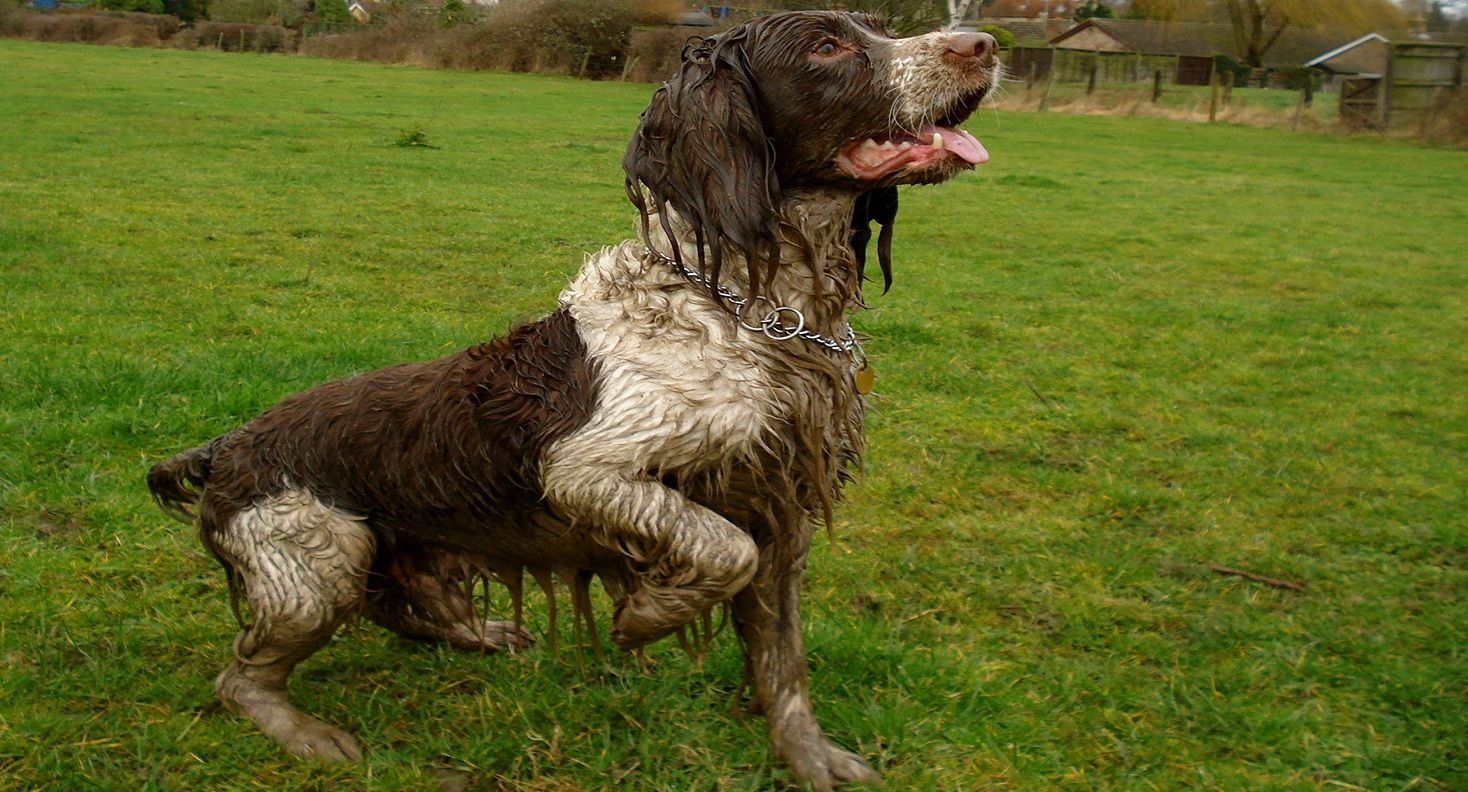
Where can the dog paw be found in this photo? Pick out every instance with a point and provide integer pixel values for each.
(647, 615)
(313, 739)
(507, 635)
(822, 765)
(489, 637)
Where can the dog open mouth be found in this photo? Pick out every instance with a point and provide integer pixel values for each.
(873, 159)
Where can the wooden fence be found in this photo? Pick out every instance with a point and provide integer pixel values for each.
(1418, 75)
(1109, 67)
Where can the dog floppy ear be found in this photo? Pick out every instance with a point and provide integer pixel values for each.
(701, 149)
(879, 205)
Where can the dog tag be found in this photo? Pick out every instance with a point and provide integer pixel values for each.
(866, 378)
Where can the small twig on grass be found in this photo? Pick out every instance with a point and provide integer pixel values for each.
(1038, 394)
(1257, 578)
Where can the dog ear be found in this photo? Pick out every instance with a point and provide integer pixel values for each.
(880, 205)
(701, 149)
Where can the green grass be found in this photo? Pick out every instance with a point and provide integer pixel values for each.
(1127, 349)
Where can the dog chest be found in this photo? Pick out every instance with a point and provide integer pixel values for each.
(679, 383)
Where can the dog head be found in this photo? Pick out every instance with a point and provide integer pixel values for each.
(804, 100)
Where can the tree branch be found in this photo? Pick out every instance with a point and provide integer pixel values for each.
(1272, 39)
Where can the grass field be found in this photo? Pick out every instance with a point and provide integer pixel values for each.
(1124, 351)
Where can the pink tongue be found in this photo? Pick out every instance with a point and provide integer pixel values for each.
(959, 142)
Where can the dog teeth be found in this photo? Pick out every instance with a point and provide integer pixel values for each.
(905, 145)
(937, 141)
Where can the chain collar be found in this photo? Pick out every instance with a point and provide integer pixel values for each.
(770, 325)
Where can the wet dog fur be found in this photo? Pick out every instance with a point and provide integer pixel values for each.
(645, 433)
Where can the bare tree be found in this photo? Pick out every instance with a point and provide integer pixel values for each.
(1258, 24)
(958, 10)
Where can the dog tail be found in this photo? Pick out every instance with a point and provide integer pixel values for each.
(175, 483)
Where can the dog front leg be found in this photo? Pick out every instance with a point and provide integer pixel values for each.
(685, 557)
(767, 615)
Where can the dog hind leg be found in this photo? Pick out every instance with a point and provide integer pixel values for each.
(303, 568)
(427, 599)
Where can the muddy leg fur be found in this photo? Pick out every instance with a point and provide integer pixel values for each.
(303, 568)
(424, 598)
(684, 557)
(767, 617)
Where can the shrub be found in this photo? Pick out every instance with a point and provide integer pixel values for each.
(1223, 64)
(402, 39)
(143, 6)
(454, 12)
(237, 37)
(253, 12)
(655, 53)
(559, 36)
(12, 19)
(1297, 77)
(186, 10)
(1002, 36)
(95, 27)
(333, 12)
(1092, 9)
(1447, 121)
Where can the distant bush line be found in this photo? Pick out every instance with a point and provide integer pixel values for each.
(131, 29)
(598, 39)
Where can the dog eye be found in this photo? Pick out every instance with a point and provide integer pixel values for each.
(827, 48)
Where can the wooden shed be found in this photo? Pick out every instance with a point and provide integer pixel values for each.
(1193, 46)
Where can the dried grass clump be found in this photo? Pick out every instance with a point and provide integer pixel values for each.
(1447, 122)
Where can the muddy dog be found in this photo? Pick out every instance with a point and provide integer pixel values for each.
(676, 426)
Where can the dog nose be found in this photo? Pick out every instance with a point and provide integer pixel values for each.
(973, 45)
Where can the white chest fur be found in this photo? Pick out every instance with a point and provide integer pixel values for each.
(681, 385)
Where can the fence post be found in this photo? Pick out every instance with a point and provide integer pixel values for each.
(1156, 86)
(1299, 105)
(627, 67)
(1091, 79)
(1049, 83)
(1384, 99)
(1030, 80)
(1228, 88)
(1213, 97)
(585, 59)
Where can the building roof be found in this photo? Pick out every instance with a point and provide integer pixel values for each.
(1162, 38)
(1344, 48)
(1294, 47)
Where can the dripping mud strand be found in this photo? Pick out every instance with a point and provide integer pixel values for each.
(478, 579)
